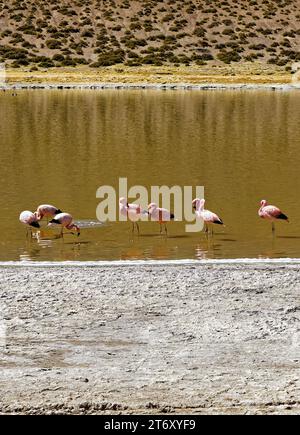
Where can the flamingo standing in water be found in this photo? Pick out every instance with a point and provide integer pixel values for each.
(132, 211)
(208, 217)
(66, 221)
(161, 215)
(48, 211)
(271, 213)
(30, 219)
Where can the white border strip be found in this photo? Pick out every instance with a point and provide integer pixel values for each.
(117, 263)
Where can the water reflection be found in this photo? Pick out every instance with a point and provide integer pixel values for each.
(60, 146)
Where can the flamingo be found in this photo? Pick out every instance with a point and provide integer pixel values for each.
(271, 213)
(30, 219)
(208, 217)
(66, 221)
(132, 211)
(48, 211)
(161, 215)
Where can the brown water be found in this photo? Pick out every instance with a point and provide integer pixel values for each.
(60, 146)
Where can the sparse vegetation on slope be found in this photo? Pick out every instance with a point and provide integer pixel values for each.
(54, 33)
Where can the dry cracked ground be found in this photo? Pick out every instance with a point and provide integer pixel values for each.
(150, 339)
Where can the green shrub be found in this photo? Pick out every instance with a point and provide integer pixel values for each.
(229, 56)
(228, 31)
(112, 58)
(58, 58)
(200, 32)
(89, 33)
(133, 62)
(20, 62)
(47, 64)
(167, 18)
(135, 26)
(152, 60)
(6, 32)
(68, 61)
(53, 44)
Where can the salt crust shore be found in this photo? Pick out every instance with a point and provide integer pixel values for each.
(150, 338)
(157, 86)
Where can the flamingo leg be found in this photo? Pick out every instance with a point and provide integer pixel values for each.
(132, 227)
(160, 230)
(138, 228)
(166, 230)
(206, 230)
(273, 228)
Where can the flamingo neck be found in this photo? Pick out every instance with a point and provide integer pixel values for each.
(71, 227)
(201, 207)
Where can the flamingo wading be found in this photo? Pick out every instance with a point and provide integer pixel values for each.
(48, 211)
(132, 211)
(208, 217)
(271, 213)
(29, 219)
(66, 221)
(160, 215)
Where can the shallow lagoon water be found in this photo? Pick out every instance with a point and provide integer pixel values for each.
(59, 146)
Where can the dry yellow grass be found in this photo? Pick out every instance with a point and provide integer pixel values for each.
(235, 74)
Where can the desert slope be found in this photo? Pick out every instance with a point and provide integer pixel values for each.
(42, 34)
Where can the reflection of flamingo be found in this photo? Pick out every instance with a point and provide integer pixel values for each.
(161, 215)
(271, 213)
(30, 219)
(132, 211)
(48, 211)
(208, 217)
(66, 221)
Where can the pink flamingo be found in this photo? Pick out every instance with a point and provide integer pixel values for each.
(48, 211)
(208, 217)
(271, 213)
(132, 211)
(30, 219)
(161, 215)
(66, 221)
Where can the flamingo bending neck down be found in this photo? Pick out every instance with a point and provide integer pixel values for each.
(30, 220)
(160, 215)
(48, 211)
(207, 216)
(271, 213)
(66, 221)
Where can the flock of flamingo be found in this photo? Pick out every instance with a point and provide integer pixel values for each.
(134, 212)
(58, 218)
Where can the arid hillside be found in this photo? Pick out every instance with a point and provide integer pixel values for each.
(44, 34)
